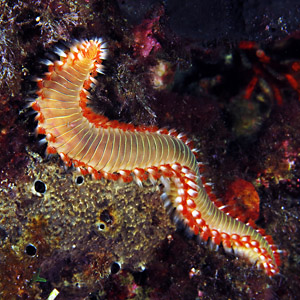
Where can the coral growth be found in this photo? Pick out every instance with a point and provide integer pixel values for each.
(20, 262)
(95, 223)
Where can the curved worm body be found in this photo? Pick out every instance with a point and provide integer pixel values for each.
(114, 150)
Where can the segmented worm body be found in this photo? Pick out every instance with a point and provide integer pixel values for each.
(115, 150)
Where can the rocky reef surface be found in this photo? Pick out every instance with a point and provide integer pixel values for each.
(230, 81)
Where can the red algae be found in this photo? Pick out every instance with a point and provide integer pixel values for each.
(269, 75)
(242, 200)
(144, 35)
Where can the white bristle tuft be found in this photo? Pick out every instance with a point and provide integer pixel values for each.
(60, 52)
(47, 62)
(43, 141)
